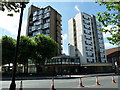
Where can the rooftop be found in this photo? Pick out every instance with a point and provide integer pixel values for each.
(112, 50)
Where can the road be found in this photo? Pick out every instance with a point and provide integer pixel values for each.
(88, 82)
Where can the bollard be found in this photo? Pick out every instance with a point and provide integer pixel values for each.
(52, 86)
(113, 80)
(97, 82)
(81, 85)
(21, 86)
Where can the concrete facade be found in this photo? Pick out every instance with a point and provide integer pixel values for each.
(45, 21)
(86, 39)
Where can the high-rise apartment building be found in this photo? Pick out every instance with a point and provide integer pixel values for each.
(86, 39)
(45, 21)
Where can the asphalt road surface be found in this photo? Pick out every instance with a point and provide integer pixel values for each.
(88, 82)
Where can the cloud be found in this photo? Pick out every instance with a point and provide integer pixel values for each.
(108, 45)
(64, 52)
(64, 37)
(11, 23)
(107, 34)
(76, 7)
(24, 25)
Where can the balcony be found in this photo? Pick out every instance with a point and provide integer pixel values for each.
(36, 33)
(46, 9)
(86, 17)
(38, 23)
(35, 18)
(35, 13)
(40, 17)
(34, 28)
(40, 27)
(86, 22)
(40, 12)
(47, 25)
(46, 15)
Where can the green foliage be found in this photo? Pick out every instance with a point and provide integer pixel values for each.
(111, 17)
(12, 5)
(26, 49)
(39, 49)
(46, 47)
(8, 49)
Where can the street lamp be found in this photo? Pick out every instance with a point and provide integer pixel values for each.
(13, 85)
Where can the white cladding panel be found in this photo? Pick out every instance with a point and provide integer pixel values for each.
(82, 25)
(80, 39)
(71, 38)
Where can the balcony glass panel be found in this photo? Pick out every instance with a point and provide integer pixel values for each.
(35, 13)
(35, 18)
(46, 25)
(46, 10)
(36, 33)
(40, 16)
(40, 12)
(46, 15)
(34, 28)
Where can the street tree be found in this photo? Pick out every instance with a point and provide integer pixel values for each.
(13, 5)
(111, 17)
(46, 47)
(26, 50)
(8, 50)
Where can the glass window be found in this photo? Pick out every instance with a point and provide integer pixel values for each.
(40, 12)
(40, 17)
(46, 10)
(47, 34)
(35, 13)
(46, 25)
(35, 18)
(47, 31)
(36, 33)
(46, 15)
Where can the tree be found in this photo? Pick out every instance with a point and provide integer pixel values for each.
(111, 17)
(12, 5)
(46, 47)
(21, 4)
(26, 50)
(8, 50)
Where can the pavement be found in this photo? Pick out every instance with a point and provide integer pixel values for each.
(63, 84)
(56, 77)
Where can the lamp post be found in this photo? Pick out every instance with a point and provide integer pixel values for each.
(13, 85)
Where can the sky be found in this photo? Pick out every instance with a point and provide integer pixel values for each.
(68, 9)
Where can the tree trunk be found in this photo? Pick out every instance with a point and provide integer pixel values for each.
(27, 66)
(9, 68)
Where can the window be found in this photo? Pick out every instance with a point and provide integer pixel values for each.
(46, 15)
(35, 13)
(86, 22)
(46, 10)
(86, 17)
(46, 20)
(38, 22)
(36, 33)
(47, 31)
(92, 55)
(86, 48)
(46, 25)
(40, 27)
(40, 12)
(87, 60)
(40, 17)
(35, 18)
(86, 42)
